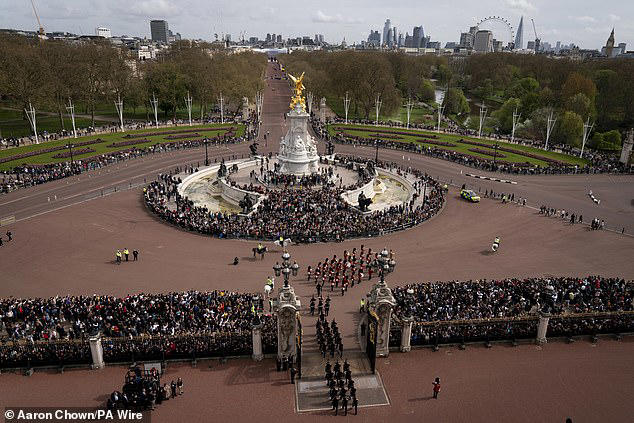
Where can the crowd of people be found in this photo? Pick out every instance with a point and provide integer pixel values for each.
(33, 174)
(143, 390)
(303, 215)
(342, 390)
(159, 326)
(502, 309)
(599, 162)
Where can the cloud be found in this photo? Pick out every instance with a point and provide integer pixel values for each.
(155, 8)
(521, 5)
(614, 18)
(321, 17)
(583, 19)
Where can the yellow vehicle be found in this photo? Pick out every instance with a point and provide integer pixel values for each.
(470, 195)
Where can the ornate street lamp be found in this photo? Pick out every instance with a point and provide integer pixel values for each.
(206, 142)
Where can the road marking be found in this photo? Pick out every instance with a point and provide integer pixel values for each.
(505, 181)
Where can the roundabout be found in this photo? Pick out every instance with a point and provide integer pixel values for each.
(296, 194)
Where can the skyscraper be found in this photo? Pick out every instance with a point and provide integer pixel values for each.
(519, 35)
(159, 30)
(609, 45)
(483, 41)
(417, 36)
(386, 28)
(389, 38)
(374, 38)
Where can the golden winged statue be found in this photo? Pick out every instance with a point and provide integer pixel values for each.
(299, 87)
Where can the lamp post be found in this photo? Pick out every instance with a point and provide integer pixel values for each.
(286, 268)
(70, 148)
(206, 142)
(495, 151)
(376, 155)
(384, 264)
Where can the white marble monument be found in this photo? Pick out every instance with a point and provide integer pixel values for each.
(298, 149)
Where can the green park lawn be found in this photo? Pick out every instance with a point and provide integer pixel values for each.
(102, 148)
(464, 148)
(418, 114)
(14, 124)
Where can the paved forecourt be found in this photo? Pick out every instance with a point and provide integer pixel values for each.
(70, 251)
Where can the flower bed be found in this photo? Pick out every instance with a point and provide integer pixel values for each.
(178, 137)
(47, 150)
(518, 152)
(77, 152)
(442, 143)
(487, 152)
(386, 136)
(126, 143)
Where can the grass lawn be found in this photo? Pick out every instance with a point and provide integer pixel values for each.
(418, 115)
(12, 123)
(464, 148)
(22, 128)
(102, 148)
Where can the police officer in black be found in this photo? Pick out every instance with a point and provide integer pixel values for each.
(337, 368)
(344, 405)
(293, 372)
(312, 306)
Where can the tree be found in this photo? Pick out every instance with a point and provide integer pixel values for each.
(577, 83)
(24, 67)
(581, 105)
(443, 74)
(485, 90)
(596, 140)
(427, 91)
(504, 115)
(611, 140)
(455, 102)
(610, 99)
(169, 85)
(521, 87)
(569, 129)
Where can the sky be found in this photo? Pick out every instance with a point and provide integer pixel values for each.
(585, 23)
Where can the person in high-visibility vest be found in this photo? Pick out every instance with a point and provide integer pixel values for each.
(126, 253)
(362, 307)
(118, 256)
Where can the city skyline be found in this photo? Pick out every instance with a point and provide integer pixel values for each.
(587, 25)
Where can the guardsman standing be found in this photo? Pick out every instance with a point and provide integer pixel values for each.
(436, 384)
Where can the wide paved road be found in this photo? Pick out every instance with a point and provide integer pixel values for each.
(568, 192)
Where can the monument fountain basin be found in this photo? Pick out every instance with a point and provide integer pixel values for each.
(205, 183)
